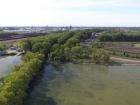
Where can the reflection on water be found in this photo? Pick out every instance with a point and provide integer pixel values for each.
(88, 84)
(39, 95)
(7, 63)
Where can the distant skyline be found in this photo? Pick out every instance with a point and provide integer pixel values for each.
(70, 12)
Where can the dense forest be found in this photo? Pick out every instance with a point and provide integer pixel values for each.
(66, 47)
(120, 36)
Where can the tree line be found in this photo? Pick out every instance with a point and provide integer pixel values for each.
(120, 36)
(14, 88)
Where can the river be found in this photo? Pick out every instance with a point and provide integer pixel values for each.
(87, 84)
(7, 63)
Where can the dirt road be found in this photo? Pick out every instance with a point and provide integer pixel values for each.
(124, 60)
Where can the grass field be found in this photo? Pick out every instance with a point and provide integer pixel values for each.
(126, 49)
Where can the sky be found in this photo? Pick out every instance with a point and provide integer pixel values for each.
(70, 12)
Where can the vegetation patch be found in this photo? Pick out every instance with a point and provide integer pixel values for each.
(65, 47)
(14, 88)
(120, 36)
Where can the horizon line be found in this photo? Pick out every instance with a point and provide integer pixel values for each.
(68, 26)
